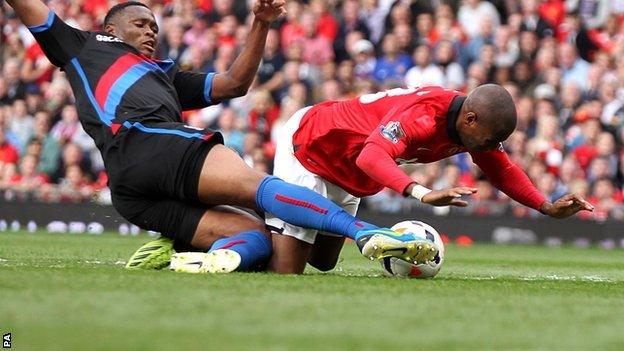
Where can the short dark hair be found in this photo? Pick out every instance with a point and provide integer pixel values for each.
(115, 10)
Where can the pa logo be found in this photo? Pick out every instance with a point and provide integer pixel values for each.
(6, 341)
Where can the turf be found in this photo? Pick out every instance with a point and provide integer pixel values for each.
(69, 292)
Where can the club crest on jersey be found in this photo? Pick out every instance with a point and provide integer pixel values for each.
(108, 39)
(393, 132)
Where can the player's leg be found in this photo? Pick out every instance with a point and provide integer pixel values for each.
(291, 244)
(325, 252)
(198, 227)
(327, 246)
(220, 222)
(289, 255)
(225, 228)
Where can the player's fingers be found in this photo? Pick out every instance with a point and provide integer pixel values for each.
(583, 203)
(454, 193)
(468, 189)
(567, 197)
(464, 191)
(459, 203)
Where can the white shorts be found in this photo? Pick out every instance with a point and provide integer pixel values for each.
(289, 169)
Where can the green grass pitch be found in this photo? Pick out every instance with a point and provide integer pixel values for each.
(69, 292)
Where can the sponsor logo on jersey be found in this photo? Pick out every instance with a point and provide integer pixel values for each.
(108, 39)
(393, 132)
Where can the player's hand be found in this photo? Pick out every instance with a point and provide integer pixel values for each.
(269, 10)
(448, 197)
(566, 206)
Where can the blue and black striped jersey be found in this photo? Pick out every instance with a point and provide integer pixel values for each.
(116, 87)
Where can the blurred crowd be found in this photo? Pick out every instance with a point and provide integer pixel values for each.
(558, 59)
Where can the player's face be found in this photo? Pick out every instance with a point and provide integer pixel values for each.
(478, 137)
(137, 27)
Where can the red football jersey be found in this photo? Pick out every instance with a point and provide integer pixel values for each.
(409, 124)
(348, 142)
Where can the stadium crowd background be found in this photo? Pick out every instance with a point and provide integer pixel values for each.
(558, 59)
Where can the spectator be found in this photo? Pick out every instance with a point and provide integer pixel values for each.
(317, 49)
(473, 12)
(28, 178)
(363, 55)
(453, 75)
(8, 152)
(15, 88)
(36, 67)
(270, 75)
(21, 123)
(425, 72)
(74, 186)
(327, 24)
(263, 113)
(65, 130)
(349, 21)
(593, 13)
(393, 65)
(604, 197)
(507, 47)
(72, 156)
(288, 109)
(531, 20)
(374, 13)
(574, 69)
(172, 47)
(227, 126)
(292, 30)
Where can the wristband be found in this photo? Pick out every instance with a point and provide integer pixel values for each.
(419, 191)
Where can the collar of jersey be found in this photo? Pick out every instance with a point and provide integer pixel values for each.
(164, 65)
(451, 118)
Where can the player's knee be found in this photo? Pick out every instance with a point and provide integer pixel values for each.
(323, 265)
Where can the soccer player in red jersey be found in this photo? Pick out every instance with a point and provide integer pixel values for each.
(345, 150)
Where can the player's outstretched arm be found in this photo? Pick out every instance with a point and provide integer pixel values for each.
(378, 164)
(509, 178)
(237, 80)
(30, 12)
(566, 206)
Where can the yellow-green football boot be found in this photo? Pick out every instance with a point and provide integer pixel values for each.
(155, 254)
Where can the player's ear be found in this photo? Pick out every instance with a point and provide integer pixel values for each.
(110, 29)
(471, 118)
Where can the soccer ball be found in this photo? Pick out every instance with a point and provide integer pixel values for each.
(393, 266)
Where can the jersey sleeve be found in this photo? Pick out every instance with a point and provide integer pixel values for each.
(59, 41)
(508, 177)
(194, 89)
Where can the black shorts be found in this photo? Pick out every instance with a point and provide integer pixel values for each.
(154, 171)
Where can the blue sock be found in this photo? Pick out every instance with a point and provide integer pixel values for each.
(305, 208)
(253, 247)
